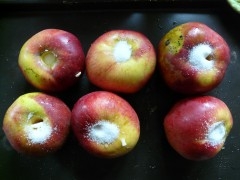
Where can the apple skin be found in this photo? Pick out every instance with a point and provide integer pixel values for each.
(52, 60)
(102, 105)
(203, 72)
(197, 127)
(105, 70)
(37, 124)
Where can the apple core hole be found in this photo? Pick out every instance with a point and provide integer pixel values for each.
(38, 131)
(103, 132)
(37, 120)
(49, 58)
(122, 51)
(216, 133)
(210, 57)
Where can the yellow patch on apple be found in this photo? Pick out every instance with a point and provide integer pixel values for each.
(206, 78)
(174, 40)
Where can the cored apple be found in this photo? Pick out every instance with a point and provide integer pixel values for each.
(197, 127)
(121, 61)
(37, 124)
(52, 60)
(105, 124)
(193, 58)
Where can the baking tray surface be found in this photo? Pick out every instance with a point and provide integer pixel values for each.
(152, 158)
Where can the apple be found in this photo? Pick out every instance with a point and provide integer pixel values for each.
(120, 61)
(235, 5)
(37, 124)
(193, 58)
(197, 127)
(105, 124)
(52, 60)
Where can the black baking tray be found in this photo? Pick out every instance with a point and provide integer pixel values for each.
(152, 158)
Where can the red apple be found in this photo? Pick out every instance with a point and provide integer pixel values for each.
(52, 60)
(37, 124)
(105, 124)
(193, 58)
(120, 61)
(197, 127)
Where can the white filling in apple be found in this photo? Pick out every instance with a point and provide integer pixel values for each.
(103, 132)
(122, 51)
(37, 130)
(200, 57)
(216, 133)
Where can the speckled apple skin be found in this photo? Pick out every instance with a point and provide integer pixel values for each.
(187, 123)
(69, 54)
(127, 77)
(173, 62)
(45, 107)
(101, 105)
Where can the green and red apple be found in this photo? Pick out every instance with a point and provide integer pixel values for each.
(37, 124)
(52, 60)
(105, 124)
(197, 127)
(121, 61)
(193, 58)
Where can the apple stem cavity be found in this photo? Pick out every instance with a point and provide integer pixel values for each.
(216, 133)
(122, 51)
(201, 58)
(49, 58)
(103, 132)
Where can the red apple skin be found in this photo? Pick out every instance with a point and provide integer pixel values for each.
(188, 122)
(103, 105)
(173, 60)
(69, 55)
(125, 77)
(48, 109)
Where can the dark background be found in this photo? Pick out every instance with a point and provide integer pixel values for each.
(152, 158)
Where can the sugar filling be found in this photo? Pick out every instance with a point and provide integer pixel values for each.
(103, 132)
(216, 133)
(200, 57)
(37, 131)
(122, 51)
